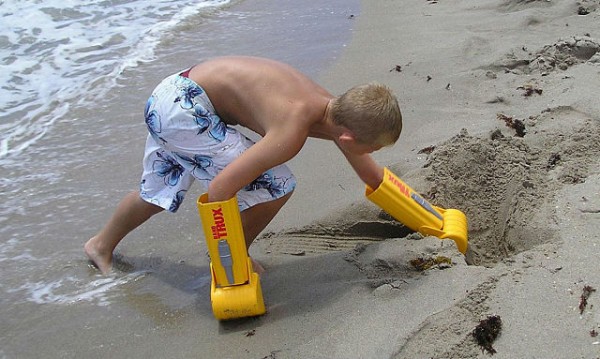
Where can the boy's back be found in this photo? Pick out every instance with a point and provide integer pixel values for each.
(261, 94)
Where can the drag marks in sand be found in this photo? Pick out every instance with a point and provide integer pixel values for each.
(360, 223)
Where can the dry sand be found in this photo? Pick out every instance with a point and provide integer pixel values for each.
(501, 121)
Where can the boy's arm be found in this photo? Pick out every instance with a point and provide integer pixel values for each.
(366, 168)
(274, 149)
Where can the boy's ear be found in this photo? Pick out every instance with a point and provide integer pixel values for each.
(346, 137)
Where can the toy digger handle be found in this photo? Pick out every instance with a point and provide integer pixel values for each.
(235, 290)
(407, 206)
(225, 240)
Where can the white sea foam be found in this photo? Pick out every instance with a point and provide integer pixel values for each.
(54, 52)
(71, 290)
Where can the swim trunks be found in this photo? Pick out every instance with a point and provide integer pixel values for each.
(188, 141)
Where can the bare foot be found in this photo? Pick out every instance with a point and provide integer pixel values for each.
(101, 260)
(257, 267)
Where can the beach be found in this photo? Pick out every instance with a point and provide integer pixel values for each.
(501, 121)
(465, 68)
(468, 73)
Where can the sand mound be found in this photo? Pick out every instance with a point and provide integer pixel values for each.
(558, 56)
(506, 184)
(564, 54)
(585, 7)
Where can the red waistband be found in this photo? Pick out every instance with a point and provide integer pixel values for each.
(186, 73)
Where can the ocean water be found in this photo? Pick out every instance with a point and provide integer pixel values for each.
(50, 51)
(75, 76)
(61, 55)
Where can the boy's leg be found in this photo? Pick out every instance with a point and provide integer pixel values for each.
(131, 212)
(256, 218)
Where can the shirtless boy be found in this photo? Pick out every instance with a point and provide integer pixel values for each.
(190, 118)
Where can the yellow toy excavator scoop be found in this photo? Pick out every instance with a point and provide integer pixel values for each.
(235, 290)
(401, 202)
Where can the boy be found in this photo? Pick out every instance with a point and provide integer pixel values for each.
(190, 117)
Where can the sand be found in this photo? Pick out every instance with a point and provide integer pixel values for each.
(501, 121)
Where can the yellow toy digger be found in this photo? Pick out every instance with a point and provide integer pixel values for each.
(235, 290)
(403, 203)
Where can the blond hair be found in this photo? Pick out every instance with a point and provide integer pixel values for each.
(371, 112)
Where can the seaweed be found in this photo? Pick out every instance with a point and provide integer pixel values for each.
(486, 332)
(397, 68)
(530, 89)
(587, 291)
(516, 124)
(422, 264)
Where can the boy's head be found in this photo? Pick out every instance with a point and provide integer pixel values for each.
(371, 112)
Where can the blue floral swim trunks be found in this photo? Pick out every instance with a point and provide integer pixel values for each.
(187, 141)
